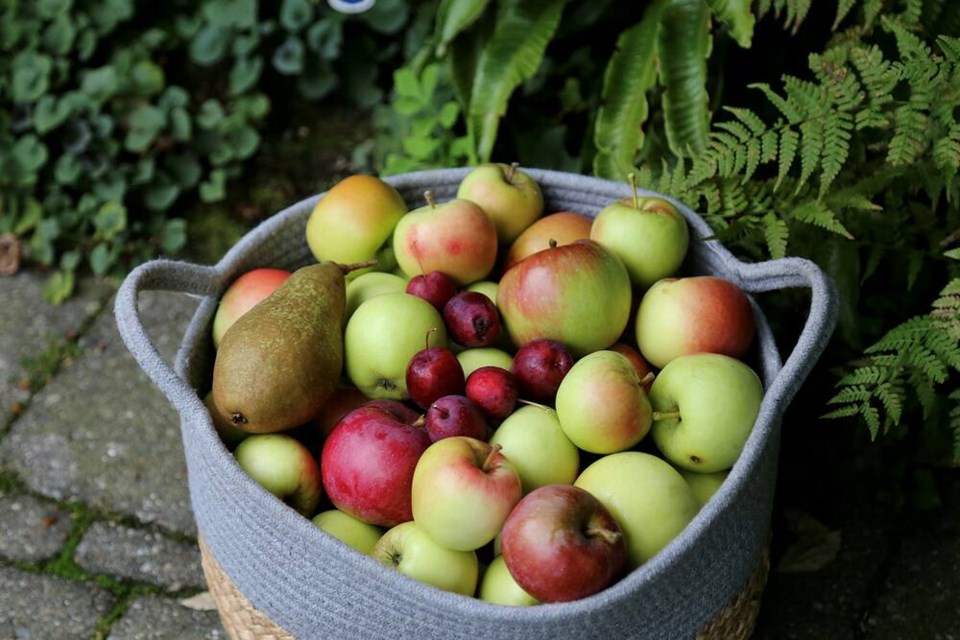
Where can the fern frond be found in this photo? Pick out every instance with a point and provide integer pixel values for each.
(777, 233)
(789, 142)
(817, 213)
(954, 425)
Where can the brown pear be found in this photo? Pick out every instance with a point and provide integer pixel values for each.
(281, 361)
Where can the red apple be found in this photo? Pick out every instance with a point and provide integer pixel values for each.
(472, 319)
(539, 366)
(562, 227)
(456, 415)
(242, 295)
(682, 316)
(578, 294)
(494, 389)
(455, 237)
(435, 287)
(342, 402)
(433, 372)
(463, 490)
(560, 544)
(367, 465)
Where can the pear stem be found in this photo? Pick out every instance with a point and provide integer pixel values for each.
(632, 179)
(666, 415)
(428, 196)
(494, 450)
(610, 537)
(347, 268)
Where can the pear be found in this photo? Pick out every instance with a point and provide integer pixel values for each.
(281, 361)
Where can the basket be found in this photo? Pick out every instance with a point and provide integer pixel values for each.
(275, 575)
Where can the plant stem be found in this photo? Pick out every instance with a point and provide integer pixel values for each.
(666, 415)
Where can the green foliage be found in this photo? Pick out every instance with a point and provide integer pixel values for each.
(115, 115)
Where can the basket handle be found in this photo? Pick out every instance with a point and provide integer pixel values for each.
(164, 275)
(821, 320)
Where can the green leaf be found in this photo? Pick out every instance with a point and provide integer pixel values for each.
(463, 55)
(101, 259)
(29, 153)
(70, 260)
(181, 127)
(144, 171)
(386, 16)
(184, 168)
(159, 195)
(448, 114)
(148, 78)
(210, 114)
(173, 235)
(295, 14)
(239, 14)
(145, 123)
(953, 254)
(244, 74)
(67, 169)
(50, 9)
(453, 17)
(776, 232)
(29, 218)
(214, 189)
(288, 57)
(110, 220)
(49, 113)
(58, 287)
(244, 141)
(209, 45)
(101, 83)
(684, 44)
(326, 37)
(31, 76)
(513, 54)
(736, 15)
(630, 74)
(318, 80)
(59, 35)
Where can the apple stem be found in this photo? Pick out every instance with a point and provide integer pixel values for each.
(353, 266)
(420, 422)
(532, 403)
(666, 415)
(494, 450)
(647, 379)
(511, 171)
(428, 196)
(426, 339)
(610, 537)
(632, 179)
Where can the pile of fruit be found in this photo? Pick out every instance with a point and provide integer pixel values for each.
(464, 391)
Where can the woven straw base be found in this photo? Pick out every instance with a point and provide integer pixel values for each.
(243, 621)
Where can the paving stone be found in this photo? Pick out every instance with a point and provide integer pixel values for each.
(33, 530)
(102, 434)
(140, 555)
(43, 607)
(156, 618)
(30, 325)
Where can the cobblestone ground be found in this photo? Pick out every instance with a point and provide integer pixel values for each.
(97, 539)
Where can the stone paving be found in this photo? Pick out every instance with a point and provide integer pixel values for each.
(97, 539)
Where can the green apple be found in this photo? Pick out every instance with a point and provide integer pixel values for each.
(680, 316)
(283, 466)
(578, 294)
(507, 194)
(532, 439)
(704, 485)
(649, 234)
(370, 284)
(354, 222)
(648, 498)
(408, 549)
(455, 237)
(473, 359)
(463, 490)
(601, 403)
(704, 406)
(242, 295)
(499, 587)
(349, 530)
(383, 334)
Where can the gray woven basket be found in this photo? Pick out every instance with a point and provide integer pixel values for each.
(313, 586)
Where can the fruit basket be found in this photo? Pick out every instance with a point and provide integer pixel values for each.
(274, 574)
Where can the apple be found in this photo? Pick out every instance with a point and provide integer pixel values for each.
(463, 489)
(455, 415)
(284, 467)
(472, 319)
(435, 287)
(680, 316)
(494, 390)
(367, 465)
(508, 195)
(432, 373)
(242, 295)
(354, 222)
(455, 237)
(343, 401)
(382, 336)
(648, 498)
(704, 406)
(578, 294)
(560, 544)
(473, 359)
(349, 530)
(559, 228)
(486, 287)
(704, 485)
(649, 234)
(370, 284)
(601, 404)
(540, 366)
(639, 363)
(532, 439)
(408, 549)
(499, 587)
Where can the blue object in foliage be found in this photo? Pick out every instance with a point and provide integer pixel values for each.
(351, 6)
